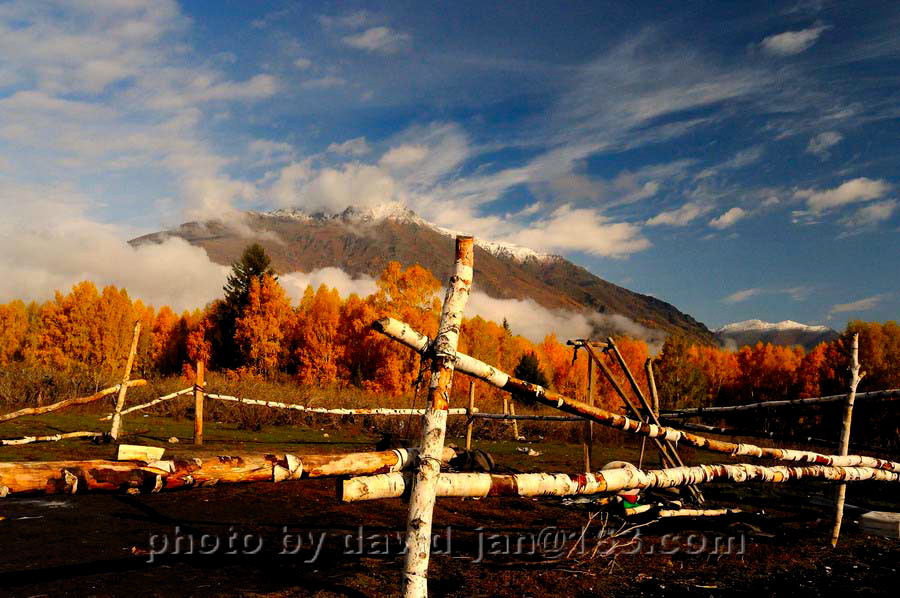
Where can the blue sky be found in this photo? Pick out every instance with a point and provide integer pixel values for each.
(736, 159)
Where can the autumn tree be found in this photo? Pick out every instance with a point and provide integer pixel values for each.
(13, 331)
(254, 264)
(680, 382)
(316, 351)
(261, 329)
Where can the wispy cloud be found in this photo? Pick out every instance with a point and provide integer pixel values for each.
(859, 305)
(681, 216)
(792, 42)
(378, 39)
(798, 293)
(853, 191)
(821, 144)
(728, 219)
(869, 216)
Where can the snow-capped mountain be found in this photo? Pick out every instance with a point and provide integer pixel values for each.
(787, 332)
(362, 241)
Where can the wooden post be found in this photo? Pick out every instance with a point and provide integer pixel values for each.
(654, 400)
(421, 504)
(198, 403)
(650, 416)
(471, 423)
(120, 400)
(844, 447)
(515, 422)
(589, 425)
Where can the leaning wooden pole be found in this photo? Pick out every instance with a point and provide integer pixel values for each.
(588, 424)
(69, 402)
(70, 477)
(481, 485)
(465, 364)
(199, 382)
(844, 447)
(123, 388)
(443, 353)
(471, 411)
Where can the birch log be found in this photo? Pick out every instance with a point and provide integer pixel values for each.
(588, 424)
(156, 401)
(69, 402)
(51, 438)
(844, 446)
(325, 410)
(470, 413)
(473, 367)
(123, 388)
(55, 477)
(434, 429)
(199, 381)
(663, 513)
(480, 485)
(893, 393)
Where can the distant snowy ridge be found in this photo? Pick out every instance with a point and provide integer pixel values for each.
(400, 213)
(759, 325)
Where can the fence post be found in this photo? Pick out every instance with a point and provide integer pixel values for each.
(471, 420)
(198, 403)
(855, 377)
(443, 363)
(515, 422)
(123, 388)
(589, 425)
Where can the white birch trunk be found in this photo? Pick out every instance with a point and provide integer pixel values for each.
(421, 505)
(844, 447)
(69, 402)
(51, 438)
(156, 401)
(478, 369)
(123, 388)
(480, 485)
(325, 410)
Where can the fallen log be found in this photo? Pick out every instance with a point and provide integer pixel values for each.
(327, 411)
(404, 334)
(728, 409)
(51, 438)
(156, 401)
(69, 477)
(663, 513)
(527, 417)
(69, 402)
(468, 485)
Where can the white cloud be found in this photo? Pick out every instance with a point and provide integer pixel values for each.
(792, 42)
(403, 156)
(820, 145)
(303, 63)
(859, 305)
(728, 219)
(377, 39)
(869, 216)
(327, 82)
(351, 147)
(740, 296)
(295, 283)
(852, 191)
(585, 230)
(681, 216)
(270, 152)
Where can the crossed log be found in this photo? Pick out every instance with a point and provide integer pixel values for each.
(70, 402)
(69, 477)
(404, 334)
(459, 485)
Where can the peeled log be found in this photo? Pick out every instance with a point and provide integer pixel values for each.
(329, 411)
(463, 485)
(69, 477)
(473, 367)
(51, 438)
(725, 410)
(69, 402)
(156, 401)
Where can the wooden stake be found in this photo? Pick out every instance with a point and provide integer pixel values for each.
(69, 402)
(466, 364)
(654, 398)
(123, 388)
(421, 505)
(844, 446)
(470, 412)
(514, 420)
(198, 403)
(589, 425)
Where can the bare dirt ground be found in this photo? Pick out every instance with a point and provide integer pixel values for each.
(295, 539)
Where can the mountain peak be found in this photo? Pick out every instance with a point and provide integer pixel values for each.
(747, 325)
(786, 332)
(398, 212)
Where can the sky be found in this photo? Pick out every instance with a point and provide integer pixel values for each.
(738, 160)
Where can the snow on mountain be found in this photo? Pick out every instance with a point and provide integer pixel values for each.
(400, 213)
(787, 332)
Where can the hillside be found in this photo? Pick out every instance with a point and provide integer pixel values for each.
(362, 242)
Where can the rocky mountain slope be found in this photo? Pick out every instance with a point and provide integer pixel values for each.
(363, 241)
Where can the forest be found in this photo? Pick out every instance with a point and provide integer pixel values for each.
(78, 340)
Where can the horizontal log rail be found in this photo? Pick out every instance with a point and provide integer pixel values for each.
(328, 411)
(465, 364)
(70, 402)
(50, 438)
(70, 477)
(728, 409)
(527, 417)
(156, 401)
(480, 485)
